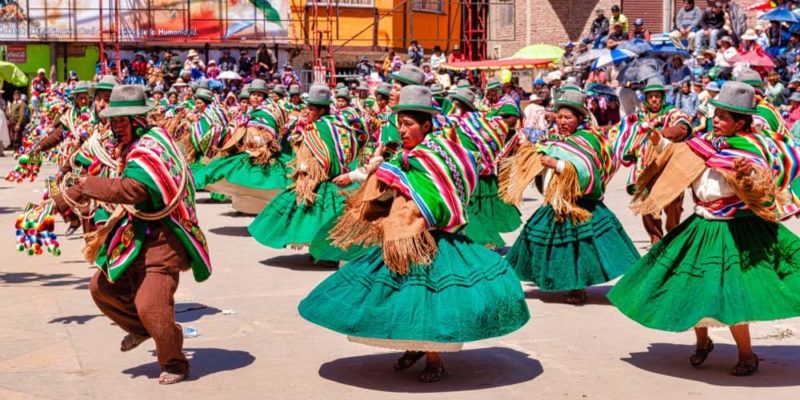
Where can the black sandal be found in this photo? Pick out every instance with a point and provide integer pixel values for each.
(408, 359)
(745, 369)
(432, 373)
(699, 357)
(576, 297)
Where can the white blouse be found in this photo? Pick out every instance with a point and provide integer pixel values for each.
(710, 186)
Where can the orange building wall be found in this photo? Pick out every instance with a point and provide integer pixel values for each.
(347, 25)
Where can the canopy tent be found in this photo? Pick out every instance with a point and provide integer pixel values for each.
(539, 52)
(495, 65)
(12, 74)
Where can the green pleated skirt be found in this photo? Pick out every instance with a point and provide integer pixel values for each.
(238, 170)
(566, 256)
(321, 248)
(468, 293)
(283, 222)
(709, 272)
(488, 215)
(195, 168)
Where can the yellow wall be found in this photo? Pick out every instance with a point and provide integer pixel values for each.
(428, 28)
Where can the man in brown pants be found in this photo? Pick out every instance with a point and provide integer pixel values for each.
(634, 147)
(149, 238)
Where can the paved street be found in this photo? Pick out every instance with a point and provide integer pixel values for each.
(55, 344)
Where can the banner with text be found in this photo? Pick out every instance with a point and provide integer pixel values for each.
(163, 20)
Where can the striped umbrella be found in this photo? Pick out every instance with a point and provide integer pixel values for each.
(614, 56)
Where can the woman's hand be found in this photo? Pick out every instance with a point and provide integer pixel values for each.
(549, 162)
(343, 180)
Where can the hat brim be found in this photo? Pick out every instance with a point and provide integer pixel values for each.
(463, 100)
(319, 102)
(265, 91)
(382, 93)
(738, 110)
(205, 98)
(404, 80)
(415, 107)
(572, 105)
(650, 89)
(128, 111)
(100, 86)
(79, 91)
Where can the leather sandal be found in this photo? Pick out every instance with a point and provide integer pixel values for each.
(130, 342)
(408, 359)
(699, 357)
(745, 368)
(432, 373)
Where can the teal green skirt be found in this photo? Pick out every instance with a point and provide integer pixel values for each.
(709, 272)
(238, 170)
(488, 215)
(321, 248)
(566, 256)
(198, 166)
(468, 293)
(283, 222)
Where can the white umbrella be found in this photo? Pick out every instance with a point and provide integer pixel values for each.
(229, 75)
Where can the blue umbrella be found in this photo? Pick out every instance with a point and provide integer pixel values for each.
(638, 46)
(614, 56)
(779, 15)
(669, 50)
(640, 70)
(595, 89)
(214, 84)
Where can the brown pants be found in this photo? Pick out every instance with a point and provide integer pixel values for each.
(653, 225)
(141, 301)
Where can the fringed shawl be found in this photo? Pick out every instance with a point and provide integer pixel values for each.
(484, 136)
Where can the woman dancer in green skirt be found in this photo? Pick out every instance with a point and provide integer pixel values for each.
(325, 146)
(572, 241)
(420, 287)
(484, 135)
(732, 262)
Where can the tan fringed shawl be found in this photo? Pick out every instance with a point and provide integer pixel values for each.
(517, 172)
(663, 180)
(373, 217)
(739, 159)
(563, 193)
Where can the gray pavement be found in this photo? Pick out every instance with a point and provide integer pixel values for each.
(55, 344)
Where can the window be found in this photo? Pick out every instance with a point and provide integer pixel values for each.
(436, 6)
(506, 13)
(346, 3)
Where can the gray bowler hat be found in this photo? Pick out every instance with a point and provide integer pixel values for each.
(295, 90)
(384, 89)
(107, 82)
(736, 97)
(279, 90)
(437, 89)
(409, 75)
(363, 85)
(465, 96)
(795, 97)
(416, 98)
(750, 77)
(259, 85)
(204, 94)
(127, 100)
(463, 83)
(245, 93)
(319, 95)
(654, 85)
(81, 87)
(343, 93)
(574, 99)
(492, 83)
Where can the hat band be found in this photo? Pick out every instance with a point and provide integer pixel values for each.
(127, 103)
